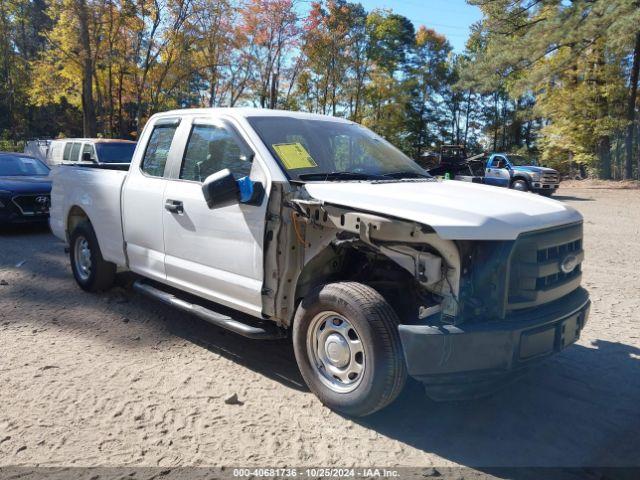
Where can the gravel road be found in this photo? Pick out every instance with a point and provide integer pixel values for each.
(117, 379)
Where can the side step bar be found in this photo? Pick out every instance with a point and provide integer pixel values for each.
(211, 316)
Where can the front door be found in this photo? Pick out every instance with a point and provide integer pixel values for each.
(214, 253)
(496, 173)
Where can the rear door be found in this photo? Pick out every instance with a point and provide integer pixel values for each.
(215, 253)
(142, 199)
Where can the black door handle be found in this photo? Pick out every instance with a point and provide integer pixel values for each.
(174, 206)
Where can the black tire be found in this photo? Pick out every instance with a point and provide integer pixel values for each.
(376, 326)
(101, 274)
(520, 184)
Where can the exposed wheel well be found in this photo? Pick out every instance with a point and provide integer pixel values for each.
(350, 263)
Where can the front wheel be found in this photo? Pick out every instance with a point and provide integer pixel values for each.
(346, 342)
(520, 185)
(91, 271)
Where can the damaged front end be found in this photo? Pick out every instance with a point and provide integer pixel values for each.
(427, 279)
(464, 325)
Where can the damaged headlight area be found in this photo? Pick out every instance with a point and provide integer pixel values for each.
(427, 279)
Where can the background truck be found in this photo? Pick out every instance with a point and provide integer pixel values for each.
(497, 169)
(279, 224)
(96, 152)
(519, 173)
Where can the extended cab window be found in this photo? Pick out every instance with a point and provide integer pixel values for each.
(75, 152)
(67, 151)
(157, 151)
(212, 148)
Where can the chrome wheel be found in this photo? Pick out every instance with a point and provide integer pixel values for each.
(336, 351)
(82, 257)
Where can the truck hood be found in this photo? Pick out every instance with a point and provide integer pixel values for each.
(455, 210)
(26, 183)
(533, 169)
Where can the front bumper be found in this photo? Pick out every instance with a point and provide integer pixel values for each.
(469, 360)
(11, 211)
(13, 218)
(545, 186)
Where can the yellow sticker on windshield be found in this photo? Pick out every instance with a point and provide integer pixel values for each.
(294, 155)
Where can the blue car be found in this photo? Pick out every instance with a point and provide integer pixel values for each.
(25, 189)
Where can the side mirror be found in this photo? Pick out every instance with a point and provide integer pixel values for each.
(86, 157)
(220, 189)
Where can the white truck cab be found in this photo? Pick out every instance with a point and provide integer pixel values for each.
(89, 151)
(274, 223)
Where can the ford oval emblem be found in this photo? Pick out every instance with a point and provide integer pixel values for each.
(569, 263)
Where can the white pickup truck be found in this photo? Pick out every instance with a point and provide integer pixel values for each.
(275, 224)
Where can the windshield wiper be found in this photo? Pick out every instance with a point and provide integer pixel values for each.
(338, 176)
(406, 175)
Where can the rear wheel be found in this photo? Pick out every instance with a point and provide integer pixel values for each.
(346, 341)
(520, 185)
(91, 271)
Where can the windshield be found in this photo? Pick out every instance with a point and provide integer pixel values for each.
(520, 161)
(12, 166)
(113, 152)
(330, 150)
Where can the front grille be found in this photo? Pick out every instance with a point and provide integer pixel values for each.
(536, 274)
(32, 204)
(550, 178)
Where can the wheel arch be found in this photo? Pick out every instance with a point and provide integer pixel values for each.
(74, 217)
(357, 262)
(523, 177)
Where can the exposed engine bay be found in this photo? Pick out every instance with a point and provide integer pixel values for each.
(425, 277)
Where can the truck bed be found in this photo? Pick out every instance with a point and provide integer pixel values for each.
(98, 192)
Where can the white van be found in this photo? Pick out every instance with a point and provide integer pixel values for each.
(90, 150)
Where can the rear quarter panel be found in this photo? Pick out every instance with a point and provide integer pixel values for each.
(97, 192)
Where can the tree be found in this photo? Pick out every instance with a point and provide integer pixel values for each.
(271, 30)
(631, 110)
(536, 45)
(431, 76)
(388, 95)
(86, 60)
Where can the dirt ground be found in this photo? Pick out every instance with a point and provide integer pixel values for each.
(117, 379)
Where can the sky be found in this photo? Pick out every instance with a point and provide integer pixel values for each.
(451, 18)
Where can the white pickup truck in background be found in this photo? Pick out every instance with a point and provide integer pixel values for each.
(273, 223)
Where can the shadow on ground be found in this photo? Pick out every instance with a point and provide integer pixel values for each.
(272, 358)
(24, 229)
(571, 198)
(578, 409)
